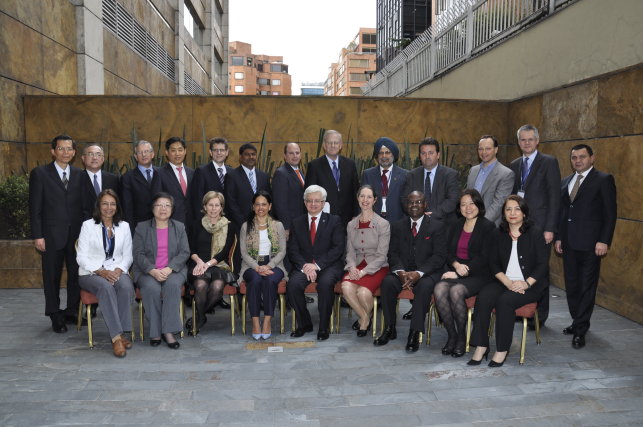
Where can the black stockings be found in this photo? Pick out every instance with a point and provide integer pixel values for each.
(449, 299)
(206, 295)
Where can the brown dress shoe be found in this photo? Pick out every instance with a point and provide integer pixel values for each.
(126, 343)
(119, 348)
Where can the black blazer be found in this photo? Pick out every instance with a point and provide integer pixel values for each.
(445, 193)
(425, 252)
(343, 201)
(109, 181)
(206, 178)
(479, 245)
(238, 193)
(592, 216)
(287, 195)
(55, 213)
(137, 195)
(533, 256)
(330, 241)
(170, 184)
(542, 190)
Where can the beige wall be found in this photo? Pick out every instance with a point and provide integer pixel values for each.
(587, 39)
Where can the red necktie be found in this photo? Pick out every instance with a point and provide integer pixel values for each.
(300, 178)
(313, 229)
(384, 183)
(184, 186)
(414, 229)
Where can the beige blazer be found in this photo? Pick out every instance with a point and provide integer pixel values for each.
(370, 244)
(277, 261)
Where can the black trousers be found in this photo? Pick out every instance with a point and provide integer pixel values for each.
(422, 291)
(52, 268)
(326, 280)
(582, 270)
(543, 302)
(496, 295)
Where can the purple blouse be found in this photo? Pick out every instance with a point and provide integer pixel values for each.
(462, 251)
(162, 258)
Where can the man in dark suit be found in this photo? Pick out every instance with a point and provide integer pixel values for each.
(416, 257)
(211, 176)
(242, 183)
(537, 181)
(95, 179)
(585, 229)
(387, 179)
(315, 248)
(139, 185)
(338, 175)
(288, 187)
(176, 179)
(439, 183)
(55, 209)
(493, 180)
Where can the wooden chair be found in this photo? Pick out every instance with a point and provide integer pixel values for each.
(87, 299)
(527, 311)
(281, 292)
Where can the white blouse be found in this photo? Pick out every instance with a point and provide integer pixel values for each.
(514, 272)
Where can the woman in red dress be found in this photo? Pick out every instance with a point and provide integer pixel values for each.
(367, 240)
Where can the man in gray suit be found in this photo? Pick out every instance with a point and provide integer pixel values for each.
(537, 180)
(492, 179)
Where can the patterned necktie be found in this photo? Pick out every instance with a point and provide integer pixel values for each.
(414, 229)
(336, 174)
(313, 229)
(149, 175)
(253, 183)
(96, 186)
(301, 178)
(524, 171)
(182, 183)
(65, 180)
(384, 183)
(427, 189)
(575, 188)
(221, 177)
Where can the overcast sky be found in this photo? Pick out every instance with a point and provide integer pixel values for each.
(309, 34)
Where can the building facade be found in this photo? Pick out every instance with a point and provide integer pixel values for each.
(252, 74)
(355, 66)
(312, 89)
(399, 22)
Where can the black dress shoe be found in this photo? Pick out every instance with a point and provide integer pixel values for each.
(448, 347)
(58, 323)
(413, 343)
(390, 333)
(458, 351)
(322, 335)
(299, 332)
(408, 315)
(173, 345)
(356, 325)
(568, 330)
(224, 304)
(362, 332)
(71, 319)
(578, 341)
(155, 343)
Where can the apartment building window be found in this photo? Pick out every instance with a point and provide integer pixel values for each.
(192, 24)
(238, 76)
(237, 60)
(278, 68)
(362, 63)
(369, 50)
(275, 93)
(369, 38)
(238, 89)
(357, 77)
(276, 82)
(356, 91)
(263, 92)
(261, 81)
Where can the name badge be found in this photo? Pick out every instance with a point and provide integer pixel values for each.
(383, 204)
(521, 194)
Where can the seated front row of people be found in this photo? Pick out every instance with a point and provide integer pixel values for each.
(416, 253)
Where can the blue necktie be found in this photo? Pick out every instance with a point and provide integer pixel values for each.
(336, 174)
(253, 184)
(96, 186)
(149, 175)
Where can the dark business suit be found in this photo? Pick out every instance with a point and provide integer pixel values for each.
(445, 192)
(589, 219)
(373, 177)
(425, 252)
(327, 252)
(542, 195)
(206, 178)
(56, 216)
(287, 195)
(238, 193)
(137, 195)
(170, 184)
(109, 181)
(533, 257)
(343, 200)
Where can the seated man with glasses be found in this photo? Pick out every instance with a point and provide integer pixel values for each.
(315, 247)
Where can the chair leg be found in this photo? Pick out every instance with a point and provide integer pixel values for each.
(79, 322)
(243, 314)
(428, 329)
(132, 313)
(233, 307)
(523, 341)
(338, 311)
(333, 313)
(90, 335)
(182, 316)
(141, 325)
(294, 320)
(282, 314)
(537, 325)
(193, 317)
(374, 316)
(469, 317)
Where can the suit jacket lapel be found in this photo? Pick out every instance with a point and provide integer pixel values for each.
(175, 182)
(490, 179)
(53, 172)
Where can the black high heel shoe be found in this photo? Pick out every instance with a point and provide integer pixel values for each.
(473, 362)
(173, 345)
(494, 364)
(458, 351)
(363, 332)
(356, 325)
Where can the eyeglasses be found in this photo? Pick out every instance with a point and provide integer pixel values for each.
(314, 202)
(415, 202)
(218, 150)
(163, 205)
(65, 149)
(94, 155)
(144, 152)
